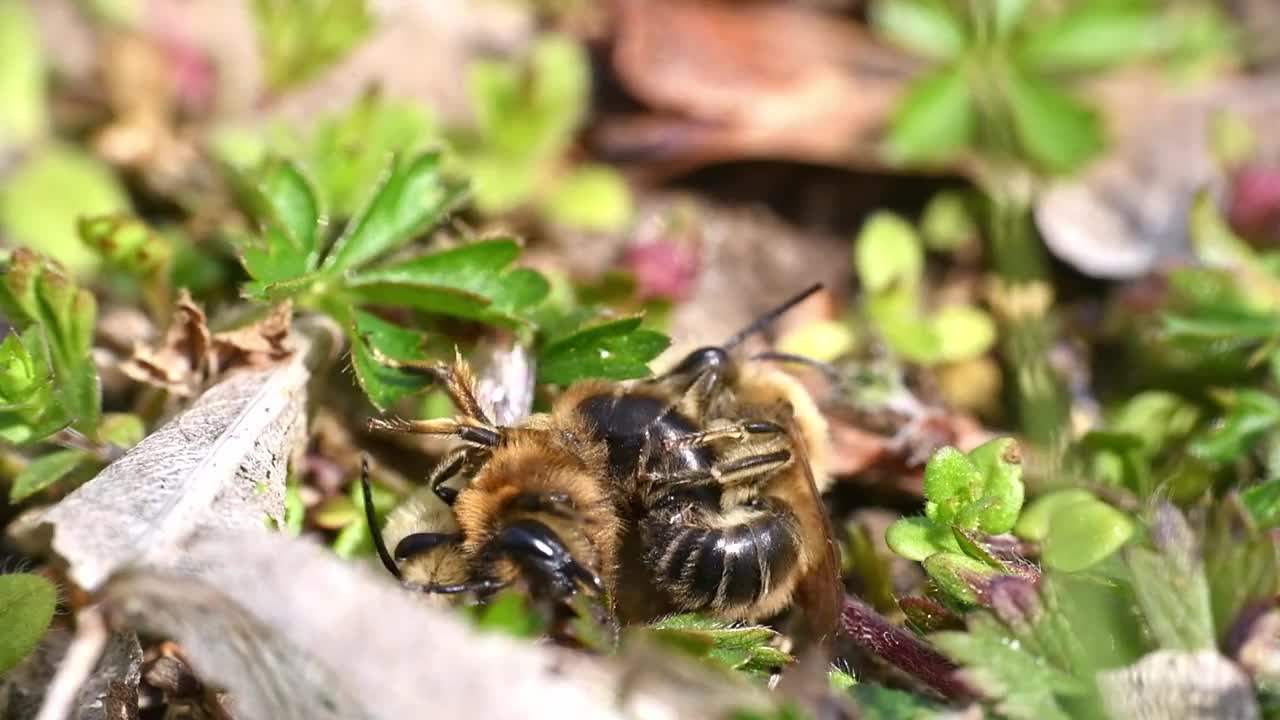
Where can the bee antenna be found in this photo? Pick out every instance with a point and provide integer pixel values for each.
(371, 519)
(770, 316)
(829, 371)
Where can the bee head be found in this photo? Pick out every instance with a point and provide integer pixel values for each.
(543, 559)
(698, 363)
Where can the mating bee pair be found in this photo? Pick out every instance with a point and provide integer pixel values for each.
(692, 491)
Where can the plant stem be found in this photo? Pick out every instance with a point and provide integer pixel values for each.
(860, 623)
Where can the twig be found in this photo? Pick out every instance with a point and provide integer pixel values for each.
(82, 655)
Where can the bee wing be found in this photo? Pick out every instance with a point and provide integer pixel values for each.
(819, 594)
(505, 383)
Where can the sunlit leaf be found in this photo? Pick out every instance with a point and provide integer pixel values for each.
(22, 77)
(413, 197)
(591, 197)
(617, 350)
(45, 471)
(935, 118)
(1092, 34)
(926, 27)
(27, 603)
(1055, 130)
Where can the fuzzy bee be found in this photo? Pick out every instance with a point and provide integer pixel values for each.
(716, 462)
(531, 511)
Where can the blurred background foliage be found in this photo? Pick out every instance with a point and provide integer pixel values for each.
(1050, 231)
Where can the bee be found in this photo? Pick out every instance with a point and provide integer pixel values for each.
(716, 461)
(531, 511)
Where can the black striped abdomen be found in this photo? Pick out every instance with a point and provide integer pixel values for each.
(723, 566)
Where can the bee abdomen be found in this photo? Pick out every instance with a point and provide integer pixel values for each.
(724, 566)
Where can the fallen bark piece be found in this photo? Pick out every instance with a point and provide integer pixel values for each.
(293, 632)
(221, 463)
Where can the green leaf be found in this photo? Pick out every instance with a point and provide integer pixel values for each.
(591, 197)
(22, 77)
(1025, 686)
(385, 385)
(952, 484)
(751, 648)
(876, 702)
(43, 472)
(127, 243)
(1223, 323)
(414, 197)
(300, 37)
(1263, 503)
(470, 281)
(887, 254)
(948, 223)
(295, 511)
(27, 604)
(999, 465)
(935, 119)
(510, 613)
(925, 27)
(286, 208)
(615, 350)
(1252, 414)
(1033, 523)
(40, 201)
(916, 538)
(1084, 533)
(962, 578)
(1213, 240)
(1171, 586)
(1242, 563)
(347, 152)
(1055, 131)
(1092, 35)
(962, 332)
(68, 313)
(124, 430)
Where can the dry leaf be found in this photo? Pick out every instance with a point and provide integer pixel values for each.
(1177, 685)
(751, 80)
(220, 463)
(292, 631)
(190, 356)
(1127, 213)
(180, 362)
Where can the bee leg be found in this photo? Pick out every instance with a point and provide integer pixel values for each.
(371, 519)
(738, 431)
(446, 470)
(746, 470)
(466, 430)
(457, 379)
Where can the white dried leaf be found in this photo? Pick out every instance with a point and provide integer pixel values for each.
(1178, 685)
(293, 632)
(1126, 214)
(220, 463)
(505, 380)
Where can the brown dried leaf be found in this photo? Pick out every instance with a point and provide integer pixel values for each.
(751, 79)
(190, 356)
(180, 363)
(220, 463)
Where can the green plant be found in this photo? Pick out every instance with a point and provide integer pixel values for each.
(527, 115)
(967, 497)
(27, 604)
(300, 37)
(48, 381)
(890, 260)
(347, 278)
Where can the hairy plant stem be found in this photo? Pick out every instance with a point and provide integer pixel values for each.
(861, 624)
